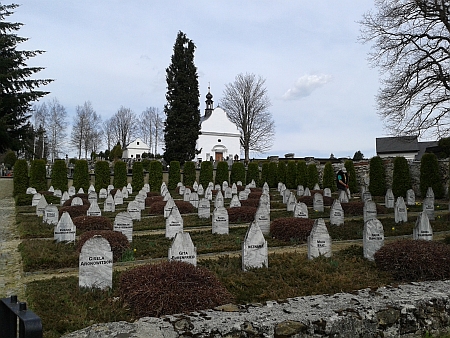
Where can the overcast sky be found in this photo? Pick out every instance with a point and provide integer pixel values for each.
(114, 53)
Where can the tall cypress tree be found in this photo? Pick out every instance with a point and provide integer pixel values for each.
(17, 89)
(182, 109)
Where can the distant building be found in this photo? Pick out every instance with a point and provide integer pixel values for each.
(219, 138)
(407, 146)
(135, 149)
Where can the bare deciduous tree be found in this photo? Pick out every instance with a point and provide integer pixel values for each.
(124, 125)
(85, 129)
(108, 133)
(412, 49)
(247, 105)
(56, 128)
(151, 128)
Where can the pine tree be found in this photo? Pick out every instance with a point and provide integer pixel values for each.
(182, 125)
(17, 88)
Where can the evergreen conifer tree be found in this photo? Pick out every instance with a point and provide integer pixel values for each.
(182, 125)
(17, 88)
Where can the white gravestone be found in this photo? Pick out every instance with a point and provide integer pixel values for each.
(428, 207)
(118, 197)
(51, 189)
(108, 205)
(224, 185)
(147, 187)
(92, 197)
(31, 191)
(65, 230)
(234, 189)
(167, 196)
(422, 229)
(183, 249)
(301, 210)
(318, 202)
(262, 219)
(227, 193)
(80, 191)
(163, 189)
(373, 238)
(94, 209)
(389, 199)
(65, 196)
(174, 223)
(103, 193)
(369, 210)
(195, 186)
(140, 200)
(51, 214)
(410, 197)
(319, 241)
(57, 193)
(208, 194)
(218, 187)
(291, 202)
(243, 195)
(336, 213)
(252, 184)
(235, 202)
(76, 201)
(327, 192)
(343, 197)
(265, 200)
(254, 249)
(281, 188)
(286, 195)
(129, 188)
(219, 202)
(134, 210)
(239, 183)
(170, 204)
(204, 208)
(72, 191)
(96, 264)
(367, 196)
(181, 190)
(306, 192)
(187, 195)
(316, 187)
(125, 192)
(400, 211)
(35, 199)
(220, 221)
(91, 189)
(40, 207)
(300, 190)
(430, 193)
(200, 190)
(124, 224)
(194, 199)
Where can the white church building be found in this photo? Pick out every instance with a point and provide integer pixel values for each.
(135, 149)
(219, 138)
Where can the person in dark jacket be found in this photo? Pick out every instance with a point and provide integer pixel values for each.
(342, 179)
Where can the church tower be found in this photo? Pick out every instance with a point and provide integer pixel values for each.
(209, 104)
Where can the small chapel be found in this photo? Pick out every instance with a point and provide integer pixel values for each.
(219, 138)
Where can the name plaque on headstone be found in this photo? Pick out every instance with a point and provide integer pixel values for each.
(94, 209)
(336, 213)
(318, 202)
(183, 249)
(57, 193)
(422, 229)
(108, 205)
(428, 207)
(124, 224)
(235, 202)
(134, 210)
(92, 197)
(301, 210)
(373, 238)
(65, 230)
(400, 211)
(187, 195)
(96, 264)
(319, 241)
(174, 223)
(369, 210)
(254, 249)
(51, 214)
(262, 219)
(220, 221)
(389, 199)
(204, 208)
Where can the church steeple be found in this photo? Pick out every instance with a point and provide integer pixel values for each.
(209, 103)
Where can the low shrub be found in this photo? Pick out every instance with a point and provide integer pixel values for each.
(117, 240)
(241, 214)
(75, 211)
(170, 288)
(152, 199)
(291, 229)
(252, 173)
(23, 199)
(153, 194)
(157, 207)
(308, 200)
(255, 194)
(69, 201)
(357, 209)
(418, 260)
(88, 223)
(251, 202)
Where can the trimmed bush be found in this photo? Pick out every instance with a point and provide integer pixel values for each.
(356, 209)
(401, 180)
(59, 175)
(102, 175)
(377, 184)
(253, 173)
(352, 182)
(120, 174)
(20, 178)
(155, 175)
(430, 177)
(174, 174)
(237, 173)
(222, 173)
(171, 287)
(206, 173)
(313, 175)
(84, 198)
(38, 179)
(291, 175)
(137, 182)
(281, 172)
(302, 177)
(152, 199)
(329, 178)
(88, 223)
(250, 202)
(291, 229)
(309, 200)
(146, 164)
(9, 159)
(75, 211)
(409, 260)
(189, 173)
(81, 175)
(157, 207)
(243, 214)
(272, 175)
(117, 240)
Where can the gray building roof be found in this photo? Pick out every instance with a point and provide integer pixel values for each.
(400, 144)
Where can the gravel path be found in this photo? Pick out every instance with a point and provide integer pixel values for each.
(10, 261)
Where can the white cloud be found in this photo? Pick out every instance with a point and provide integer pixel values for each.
(305, 85)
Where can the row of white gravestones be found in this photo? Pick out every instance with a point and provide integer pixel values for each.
(389, 199)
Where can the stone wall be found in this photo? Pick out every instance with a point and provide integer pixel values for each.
(408, 310)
